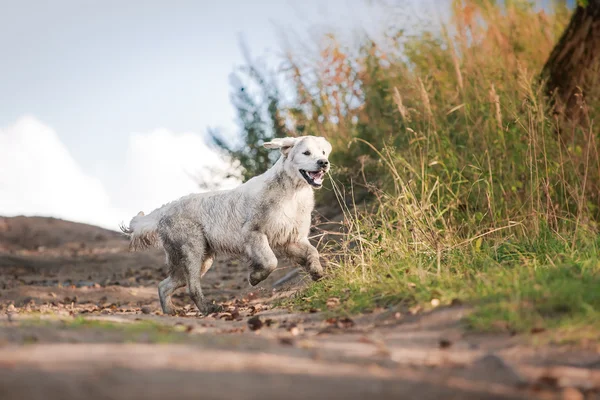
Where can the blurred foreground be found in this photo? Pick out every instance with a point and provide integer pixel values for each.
(80, 317)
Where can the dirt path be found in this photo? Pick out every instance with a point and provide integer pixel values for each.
(79, 318)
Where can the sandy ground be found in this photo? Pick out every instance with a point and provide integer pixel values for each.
(79, 318)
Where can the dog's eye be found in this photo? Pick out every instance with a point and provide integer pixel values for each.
(306, 153)
(323, 152)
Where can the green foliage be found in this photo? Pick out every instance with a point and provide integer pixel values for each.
(477, 191)
(257, 100)
(138, 331)
(515, 285)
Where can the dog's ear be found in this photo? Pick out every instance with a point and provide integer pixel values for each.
(283, 144)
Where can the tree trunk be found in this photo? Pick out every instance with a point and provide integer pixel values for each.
(574, 60)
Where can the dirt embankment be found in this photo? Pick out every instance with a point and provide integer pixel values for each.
(79, 317)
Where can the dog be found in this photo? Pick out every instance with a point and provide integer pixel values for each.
(267, 217)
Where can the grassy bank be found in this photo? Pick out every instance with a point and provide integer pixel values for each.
(476, 191)
(515, 284)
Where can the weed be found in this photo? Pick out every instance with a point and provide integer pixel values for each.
(475, 190)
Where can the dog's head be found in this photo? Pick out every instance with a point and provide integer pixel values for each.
(305, 158)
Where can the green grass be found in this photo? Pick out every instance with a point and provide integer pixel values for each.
(148, 331)
(517, 286)
(476, 190)
(138, 331)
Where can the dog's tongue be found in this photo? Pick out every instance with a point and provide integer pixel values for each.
(317, 177)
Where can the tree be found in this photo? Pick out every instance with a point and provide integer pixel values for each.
(575, 60)
(257, 99)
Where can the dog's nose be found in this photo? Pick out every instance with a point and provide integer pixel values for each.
(322, 163)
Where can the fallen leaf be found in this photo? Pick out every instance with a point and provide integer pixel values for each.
(255, 309)
(235, 312)
(414, 310)
(345, 323)
(456, 302)
(241, 302)
(306, 344)
(270, 323)
(233, 330)
(548, 380)
(286, 341)
(226, 316)
(255, 323)
(341, 323)
(333, 302)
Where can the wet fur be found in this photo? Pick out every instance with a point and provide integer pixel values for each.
(265, 218)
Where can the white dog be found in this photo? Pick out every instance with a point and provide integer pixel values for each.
(266, 217)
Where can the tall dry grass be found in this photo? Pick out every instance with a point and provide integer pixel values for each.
(470, 175)
(463, 111)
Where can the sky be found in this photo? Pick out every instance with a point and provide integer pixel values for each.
(105, 104)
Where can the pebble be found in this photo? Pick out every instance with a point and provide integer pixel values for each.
(146, 310)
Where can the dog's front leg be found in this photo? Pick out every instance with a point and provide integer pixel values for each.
(262, 258)
(307, 256)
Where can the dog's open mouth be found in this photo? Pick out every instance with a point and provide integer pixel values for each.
(314, 178)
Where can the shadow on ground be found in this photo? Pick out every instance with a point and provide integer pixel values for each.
(79, 318)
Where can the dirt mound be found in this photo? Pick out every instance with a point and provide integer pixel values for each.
(32, 233)
(65, 283)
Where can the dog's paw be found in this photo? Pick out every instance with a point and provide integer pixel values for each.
(253, 280)
(316, 275)
(256, 277)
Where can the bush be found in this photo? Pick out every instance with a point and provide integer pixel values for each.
(476, 190)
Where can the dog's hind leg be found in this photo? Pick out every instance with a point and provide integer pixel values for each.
(196, 265)
(263, 260)
(187, 252)
(188, 264)
(174, 281)
(166, 288)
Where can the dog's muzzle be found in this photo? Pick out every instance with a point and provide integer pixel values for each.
(314, 178)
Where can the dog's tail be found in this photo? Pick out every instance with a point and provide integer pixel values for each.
(143, 230)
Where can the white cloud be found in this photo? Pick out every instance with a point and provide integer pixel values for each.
(38, 175)
(163, 166)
